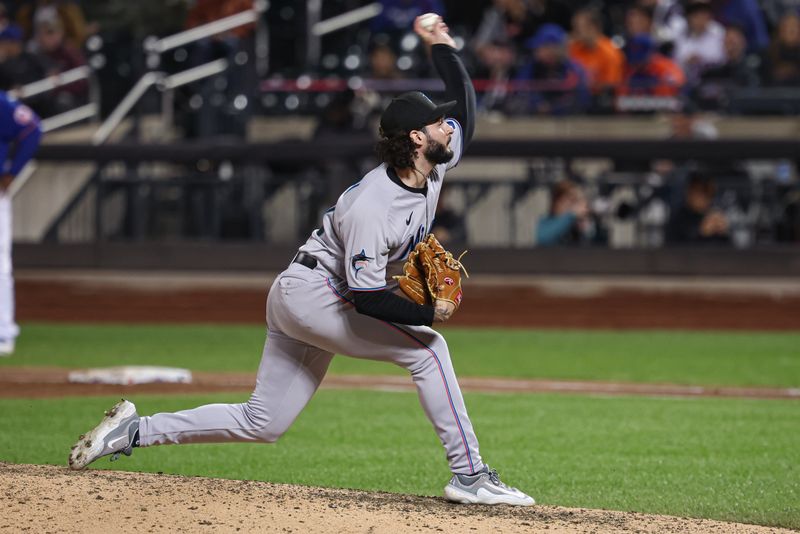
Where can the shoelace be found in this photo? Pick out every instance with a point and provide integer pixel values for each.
(495, 478)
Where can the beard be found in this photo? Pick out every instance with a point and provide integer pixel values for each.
(437, 153)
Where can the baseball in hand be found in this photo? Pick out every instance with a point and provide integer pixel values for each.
(428, 21)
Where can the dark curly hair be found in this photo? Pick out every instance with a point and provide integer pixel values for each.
(397, 151)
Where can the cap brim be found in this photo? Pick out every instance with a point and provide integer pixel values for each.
(440, 111)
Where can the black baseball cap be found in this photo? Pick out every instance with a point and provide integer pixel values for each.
(411, 111)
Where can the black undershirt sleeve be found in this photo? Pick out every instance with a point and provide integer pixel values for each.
(458, 86)
(387, 306)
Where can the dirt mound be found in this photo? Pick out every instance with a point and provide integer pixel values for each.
(54, 499)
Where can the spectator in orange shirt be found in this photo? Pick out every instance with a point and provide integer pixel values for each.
(649, 73)
(602, 61)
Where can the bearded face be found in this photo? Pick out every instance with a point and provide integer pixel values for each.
(436, 152)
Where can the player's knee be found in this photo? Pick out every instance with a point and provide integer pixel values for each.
(435, 354)
(269, 434)
(262, 426)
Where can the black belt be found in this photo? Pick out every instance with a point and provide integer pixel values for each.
(306, 260)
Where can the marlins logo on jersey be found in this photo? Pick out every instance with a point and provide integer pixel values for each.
(359, 261)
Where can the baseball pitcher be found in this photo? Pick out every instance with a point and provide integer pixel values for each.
(368, 283)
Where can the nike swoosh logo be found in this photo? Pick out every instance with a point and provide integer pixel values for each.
(113, 441)
(408, 221)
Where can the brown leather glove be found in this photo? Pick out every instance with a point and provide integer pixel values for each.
(432, 272)
(411, 281)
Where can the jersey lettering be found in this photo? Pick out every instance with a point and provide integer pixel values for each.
(413, 240)
(420, 235)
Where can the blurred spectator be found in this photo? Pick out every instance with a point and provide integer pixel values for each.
(782, 58)
(638, 20)
(19, 67)
(383, 63)
(398, 16)
(569, 220)
(57, 55)
(600, 58)
(696, 220)
(668, 22)
(559, 84)
(700, 46)
(503, 29)
(647, 72)
(508, 24)
(738, 69)
(747, 15)
(775, 9)
(64, 12)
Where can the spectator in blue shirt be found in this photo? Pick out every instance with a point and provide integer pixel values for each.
(19, 138)
(569, 220)
(557, 85)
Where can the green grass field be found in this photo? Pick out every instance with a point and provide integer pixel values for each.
(695, 358)
(724, 459)
(729, 459)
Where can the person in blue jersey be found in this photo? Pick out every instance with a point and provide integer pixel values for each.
(19, 138)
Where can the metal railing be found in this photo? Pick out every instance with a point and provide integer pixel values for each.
(316, 28)
(159, 46)
(165, 84)
(48, 125)
(154, 46)
(195, 184)
(52, 82)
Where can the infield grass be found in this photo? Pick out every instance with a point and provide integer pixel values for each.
(695, 358)
(728, 459)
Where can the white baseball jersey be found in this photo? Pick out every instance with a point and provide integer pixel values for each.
(366, 237)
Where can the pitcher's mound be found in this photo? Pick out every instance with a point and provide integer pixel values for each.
(40, 498)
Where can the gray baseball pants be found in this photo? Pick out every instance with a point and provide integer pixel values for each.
(310, 319)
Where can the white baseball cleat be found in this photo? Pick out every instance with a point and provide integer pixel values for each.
(114, 435)
(484, 487)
